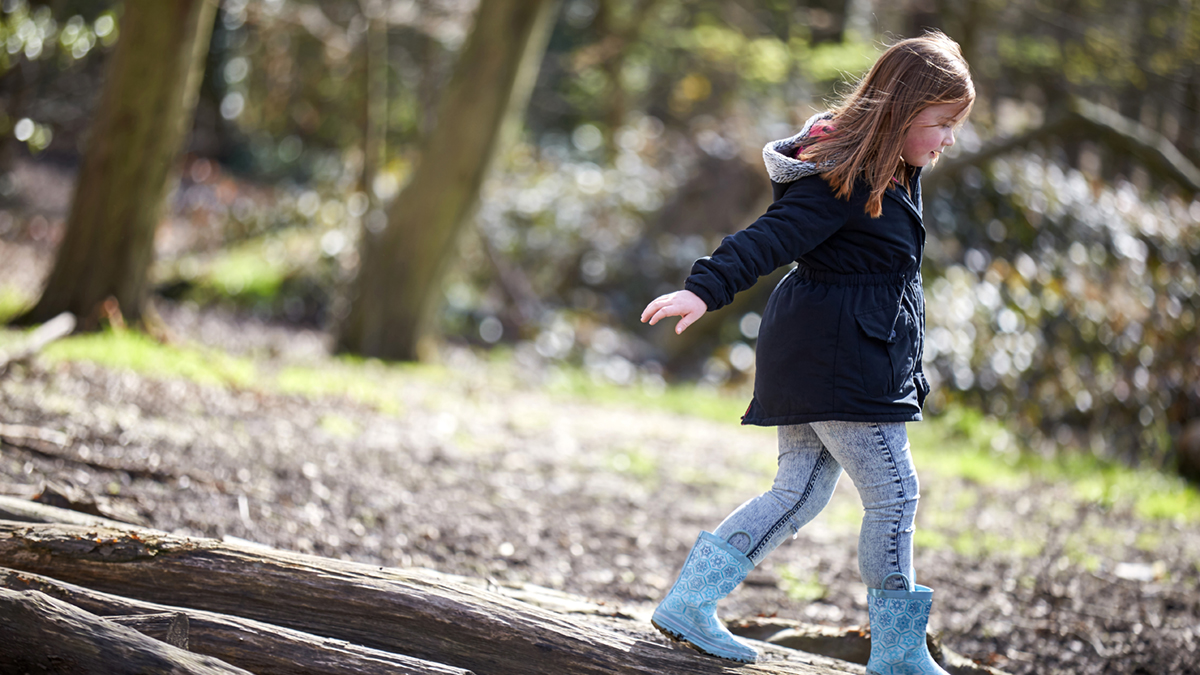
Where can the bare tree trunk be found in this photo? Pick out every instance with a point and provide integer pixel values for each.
(375, 124)
(397, 289)
(144, 114)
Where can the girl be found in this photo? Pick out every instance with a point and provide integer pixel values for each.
(840, 344)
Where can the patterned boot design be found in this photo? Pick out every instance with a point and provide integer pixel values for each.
(898, 621)
(689, 612)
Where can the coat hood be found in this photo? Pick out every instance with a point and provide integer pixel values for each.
(782, 167)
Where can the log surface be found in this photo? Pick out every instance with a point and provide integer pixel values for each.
(256, 646)
(410, 612)
(44, 635)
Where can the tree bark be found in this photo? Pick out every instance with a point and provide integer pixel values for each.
(44, 635)
(397, 289)
(26, 511)
(417, 613)
(375, 118)
(256, 646)
(145, 111)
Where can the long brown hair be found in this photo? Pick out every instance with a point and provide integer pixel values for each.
(872, 121)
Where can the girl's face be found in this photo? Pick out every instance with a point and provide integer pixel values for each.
(931, 133)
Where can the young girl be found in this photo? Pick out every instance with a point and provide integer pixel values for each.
(840, 344)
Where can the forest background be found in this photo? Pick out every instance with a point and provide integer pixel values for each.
(1064, 227)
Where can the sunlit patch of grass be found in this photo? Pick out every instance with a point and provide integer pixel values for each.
(801, 586)
(929, 538)
(341, 427)
(250, 272)
(1148, 541)
(686, 399)
(635, 462)
(965, 443)
(698, 477)
(368, 381)
(245, 273)
(140, 353)
(12, 303)
(1153, 494)
(1080, 548)
(354, 382)
(977, 543)
(844, 513)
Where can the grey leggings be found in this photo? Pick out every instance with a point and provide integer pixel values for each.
(811, 459)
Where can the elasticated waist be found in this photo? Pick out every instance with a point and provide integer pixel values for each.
(887, 279)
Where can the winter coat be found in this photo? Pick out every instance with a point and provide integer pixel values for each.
(843, 333)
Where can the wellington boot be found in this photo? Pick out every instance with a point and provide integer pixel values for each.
(898, 622)
(689, 612)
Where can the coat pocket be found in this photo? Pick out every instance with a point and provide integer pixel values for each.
(886, 352)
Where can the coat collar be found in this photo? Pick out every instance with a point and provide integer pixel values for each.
(912, 202)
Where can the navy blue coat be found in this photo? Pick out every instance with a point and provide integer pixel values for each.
(843, 333)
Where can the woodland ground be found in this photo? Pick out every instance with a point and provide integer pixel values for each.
(509, 469)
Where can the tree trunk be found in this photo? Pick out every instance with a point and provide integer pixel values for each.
(397, 289)
(256, 646)
(145, 111)
(375, 116)
(44, 635)
(418, 613)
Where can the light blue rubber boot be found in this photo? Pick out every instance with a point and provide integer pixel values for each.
(898, 621)
(689, 612)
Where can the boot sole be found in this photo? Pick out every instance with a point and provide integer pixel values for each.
(677, 636)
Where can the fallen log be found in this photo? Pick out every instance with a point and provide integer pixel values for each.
(253, 645)
(54, 329)
(171, 628)
(851, 644)
(28, 511)
(411, 612)
(44, 635)
(56, 445)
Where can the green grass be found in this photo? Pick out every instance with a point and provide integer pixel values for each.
(341, 427)
(245, 273)
(635, 462)
(369, 382)
(688, 399)
(962, 443)
(366, 381)
(959, 444)
(801, 586)
(249, 273)
(12, 303)
(138, 352)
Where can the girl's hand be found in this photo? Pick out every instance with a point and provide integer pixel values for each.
(685, 304)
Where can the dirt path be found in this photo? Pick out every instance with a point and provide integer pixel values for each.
(476, 469)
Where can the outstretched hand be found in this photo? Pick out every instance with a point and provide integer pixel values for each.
(684, 304)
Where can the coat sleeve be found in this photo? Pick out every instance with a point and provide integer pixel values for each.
(805, 215)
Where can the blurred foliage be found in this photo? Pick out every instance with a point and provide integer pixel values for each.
(36, 37)
(1071, 310)
(1062, 277)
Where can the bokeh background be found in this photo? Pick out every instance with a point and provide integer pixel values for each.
(361, 279)
(1064, 227)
